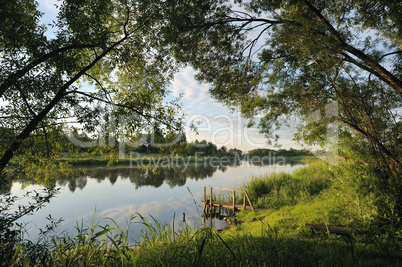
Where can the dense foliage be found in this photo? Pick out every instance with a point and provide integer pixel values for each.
(101, 67)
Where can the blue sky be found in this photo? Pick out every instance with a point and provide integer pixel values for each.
(216, 122)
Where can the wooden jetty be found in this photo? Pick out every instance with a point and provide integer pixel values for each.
(212, 204)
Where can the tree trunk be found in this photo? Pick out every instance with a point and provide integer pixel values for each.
(8, 155)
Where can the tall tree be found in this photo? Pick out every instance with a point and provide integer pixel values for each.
(112, 45)
(286, 59)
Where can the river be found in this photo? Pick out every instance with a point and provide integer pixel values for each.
(120, 192)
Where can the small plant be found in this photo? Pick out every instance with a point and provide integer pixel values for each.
(14, 248)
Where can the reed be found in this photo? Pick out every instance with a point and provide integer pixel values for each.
(283, 189)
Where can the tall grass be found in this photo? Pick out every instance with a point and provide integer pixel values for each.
(97, 245)
(283, 189)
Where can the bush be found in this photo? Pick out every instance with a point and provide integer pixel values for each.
(13, 247)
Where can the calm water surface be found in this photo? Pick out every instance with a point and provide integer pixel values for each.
(121, 192)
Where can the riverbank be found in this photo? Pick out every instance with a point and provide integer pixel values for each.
(274, 235)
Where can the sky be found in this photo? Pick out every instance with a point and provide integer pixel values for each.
(215, 122)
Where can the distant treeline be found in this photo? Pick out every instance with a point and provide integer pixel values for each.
(154, 144)
(184, 148)
(178, 145)
(264, 152)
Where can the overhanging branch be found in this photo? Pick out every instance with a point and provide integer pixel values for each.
(14, 77)
(375, 67)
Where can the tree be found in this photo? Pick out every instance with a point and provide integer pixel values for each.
(222, 151)
(288, 59)
(234, 152)
(110, 45)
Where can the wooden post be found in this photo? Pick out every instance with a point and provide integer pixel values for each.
(219, 210)
(210, 200)
(244, 202)
(234, 201)
(251, 205)
(210, 220)
(205, 194)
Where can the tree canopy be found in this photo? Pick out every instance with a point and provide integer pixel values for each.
(287, 61)
(111, 47)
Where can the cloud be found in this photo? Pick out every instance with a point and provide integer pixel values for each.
(49, 5)
(122, 214)
(185, 84)
(195, 96)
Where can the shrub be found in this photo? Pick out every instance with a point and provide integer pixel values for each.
(13, 247)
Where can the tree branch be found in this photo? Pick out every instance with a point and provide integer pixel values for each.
(14, 77)
(372, 139)
(24, 98)
(391, 53)
(120, 105)
(100, 85)
(9, 153)
(377, 69)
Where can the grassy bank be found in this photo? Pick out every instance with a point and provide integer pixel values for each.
(275, 235)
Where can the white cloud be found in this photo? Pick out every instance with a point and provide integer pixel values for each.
(49, 5)
(184, 83)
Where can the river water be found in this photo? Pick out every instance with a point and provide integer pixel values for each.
(120, 192)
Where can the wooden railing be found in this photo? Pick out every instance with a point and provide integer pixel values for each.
(232, 205)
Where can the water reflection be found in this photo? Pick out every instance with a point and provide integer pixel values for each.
(172, 176)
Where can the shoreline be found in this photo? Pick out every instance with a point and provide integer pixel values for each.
(165, 161)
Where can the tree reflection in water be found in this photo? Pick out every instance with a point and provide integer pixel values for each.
(172, 176)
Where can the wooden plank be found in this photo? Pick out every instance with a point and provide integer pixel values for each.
(227, 205)
(339, 230)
